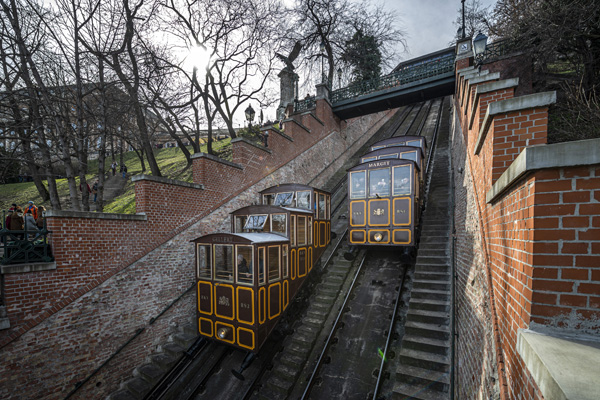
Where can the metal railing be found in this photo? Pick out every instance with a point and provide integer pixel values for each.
(308, 103)
(498, 49)
(24, 246)
(411, 73)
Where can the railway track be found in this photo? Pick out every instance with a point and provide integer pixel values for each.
(371, 320)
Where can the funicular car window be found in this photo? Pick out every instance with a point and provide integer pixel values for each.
(223, 255)
(379, 182)
(402, 180)
(388, 156)
(261, 266)
(274, 273)
(255, 222)
(358, 185)
(322, 206)
(278, 224)
(377, 147)
(268, 199)
(284, 199)
(309, 231)
(409, 155)
(416, 143)
(245, 272)
(303, 200)
(368, 159)
(240, 222)
(204, 269)
(284, 261)
(301, 231)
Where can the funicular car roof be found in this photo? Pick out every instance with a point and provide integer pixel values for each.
(399, 139)
(394, 162)
(268, 209)
(288, 187)
(391, 150)
(240, 238)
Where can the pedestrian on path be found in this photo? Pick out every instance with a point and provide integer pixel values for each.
(31, 207)
(124, 170)
(95, 190)
(114, 167)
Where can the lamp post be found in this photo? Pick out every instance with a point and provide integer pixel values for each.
(479, 44)
(339, 72)
(322, 54)
(250, 116)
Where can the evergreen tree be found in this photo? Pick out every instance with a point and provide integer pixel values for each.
(363, 55)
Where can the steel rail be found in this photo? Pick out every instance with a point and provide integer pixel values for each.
(333, 330)
(390, 333)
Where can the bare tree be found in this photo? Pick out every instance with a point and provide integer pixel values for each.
(476, 19)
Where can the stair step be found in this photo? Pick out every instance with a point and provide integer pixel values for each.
(421, 392)
(427, 316)
(431, 284)
(430, 345)
(425, 360)
(432, 294)
(434, 331)
(418, 376)
(430, 304)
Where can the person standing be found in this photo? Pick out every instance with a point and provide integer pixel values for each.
(31, 207)
(124, 170)
(114, 167)
(95, 190)
(30, 226)
(17, 222)
(41, 218)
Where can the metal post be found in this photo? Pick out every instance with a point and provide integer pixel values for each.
(464, 34)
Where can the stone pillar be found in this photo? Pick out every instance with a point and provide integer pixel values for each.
(464, 53)
(288, 82)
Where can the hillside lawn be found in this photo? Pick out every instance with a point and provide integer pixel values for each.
(171, 162)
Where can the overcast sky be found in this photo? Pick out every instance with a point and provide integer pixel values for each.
(428, 23)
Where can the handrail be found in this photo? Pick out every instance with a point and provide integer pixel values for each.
(25, 246)
(412, 73)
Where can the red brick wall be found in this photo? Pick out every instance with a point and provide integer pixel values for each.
(531, 255)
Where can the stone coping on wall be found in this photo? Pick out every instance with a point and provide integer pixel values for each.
(251, 143)
(473, 81)
(564, 366)
(465, 70)
(469, 76)
(167, 181)
(216, 159)
(490, 87)
(558, 155)
(277, 131)
(27, 267)
(520, 103)
(95, 215)
(297, 123)
(314, 116)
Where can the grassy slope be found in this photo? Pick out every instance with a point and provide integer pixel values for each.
(171, 162)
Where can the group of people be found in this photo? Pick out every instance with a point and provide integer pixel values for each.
(30, 219)
(123, 169)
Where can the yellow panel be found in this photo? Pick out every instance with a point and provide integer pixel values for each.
(294, 262)
(386, 209)
(223, 285)
(409, 210)
(358, 230)
(305, 261)
(310, 259)
(278, 300)
(218, 324)
(262, 315)
(402, 230)
(209, 334)
(364, 208)
(286, 293)
(253, 338)
(382, 231)
(238, 290)
(209, 297)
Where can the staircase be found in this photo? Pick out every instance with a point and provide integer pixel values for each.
(425, 354)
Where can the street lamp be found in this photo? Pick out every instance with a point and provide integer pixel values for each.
(322, 54)
(250, 115)
(339, 72)
(479, 44)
